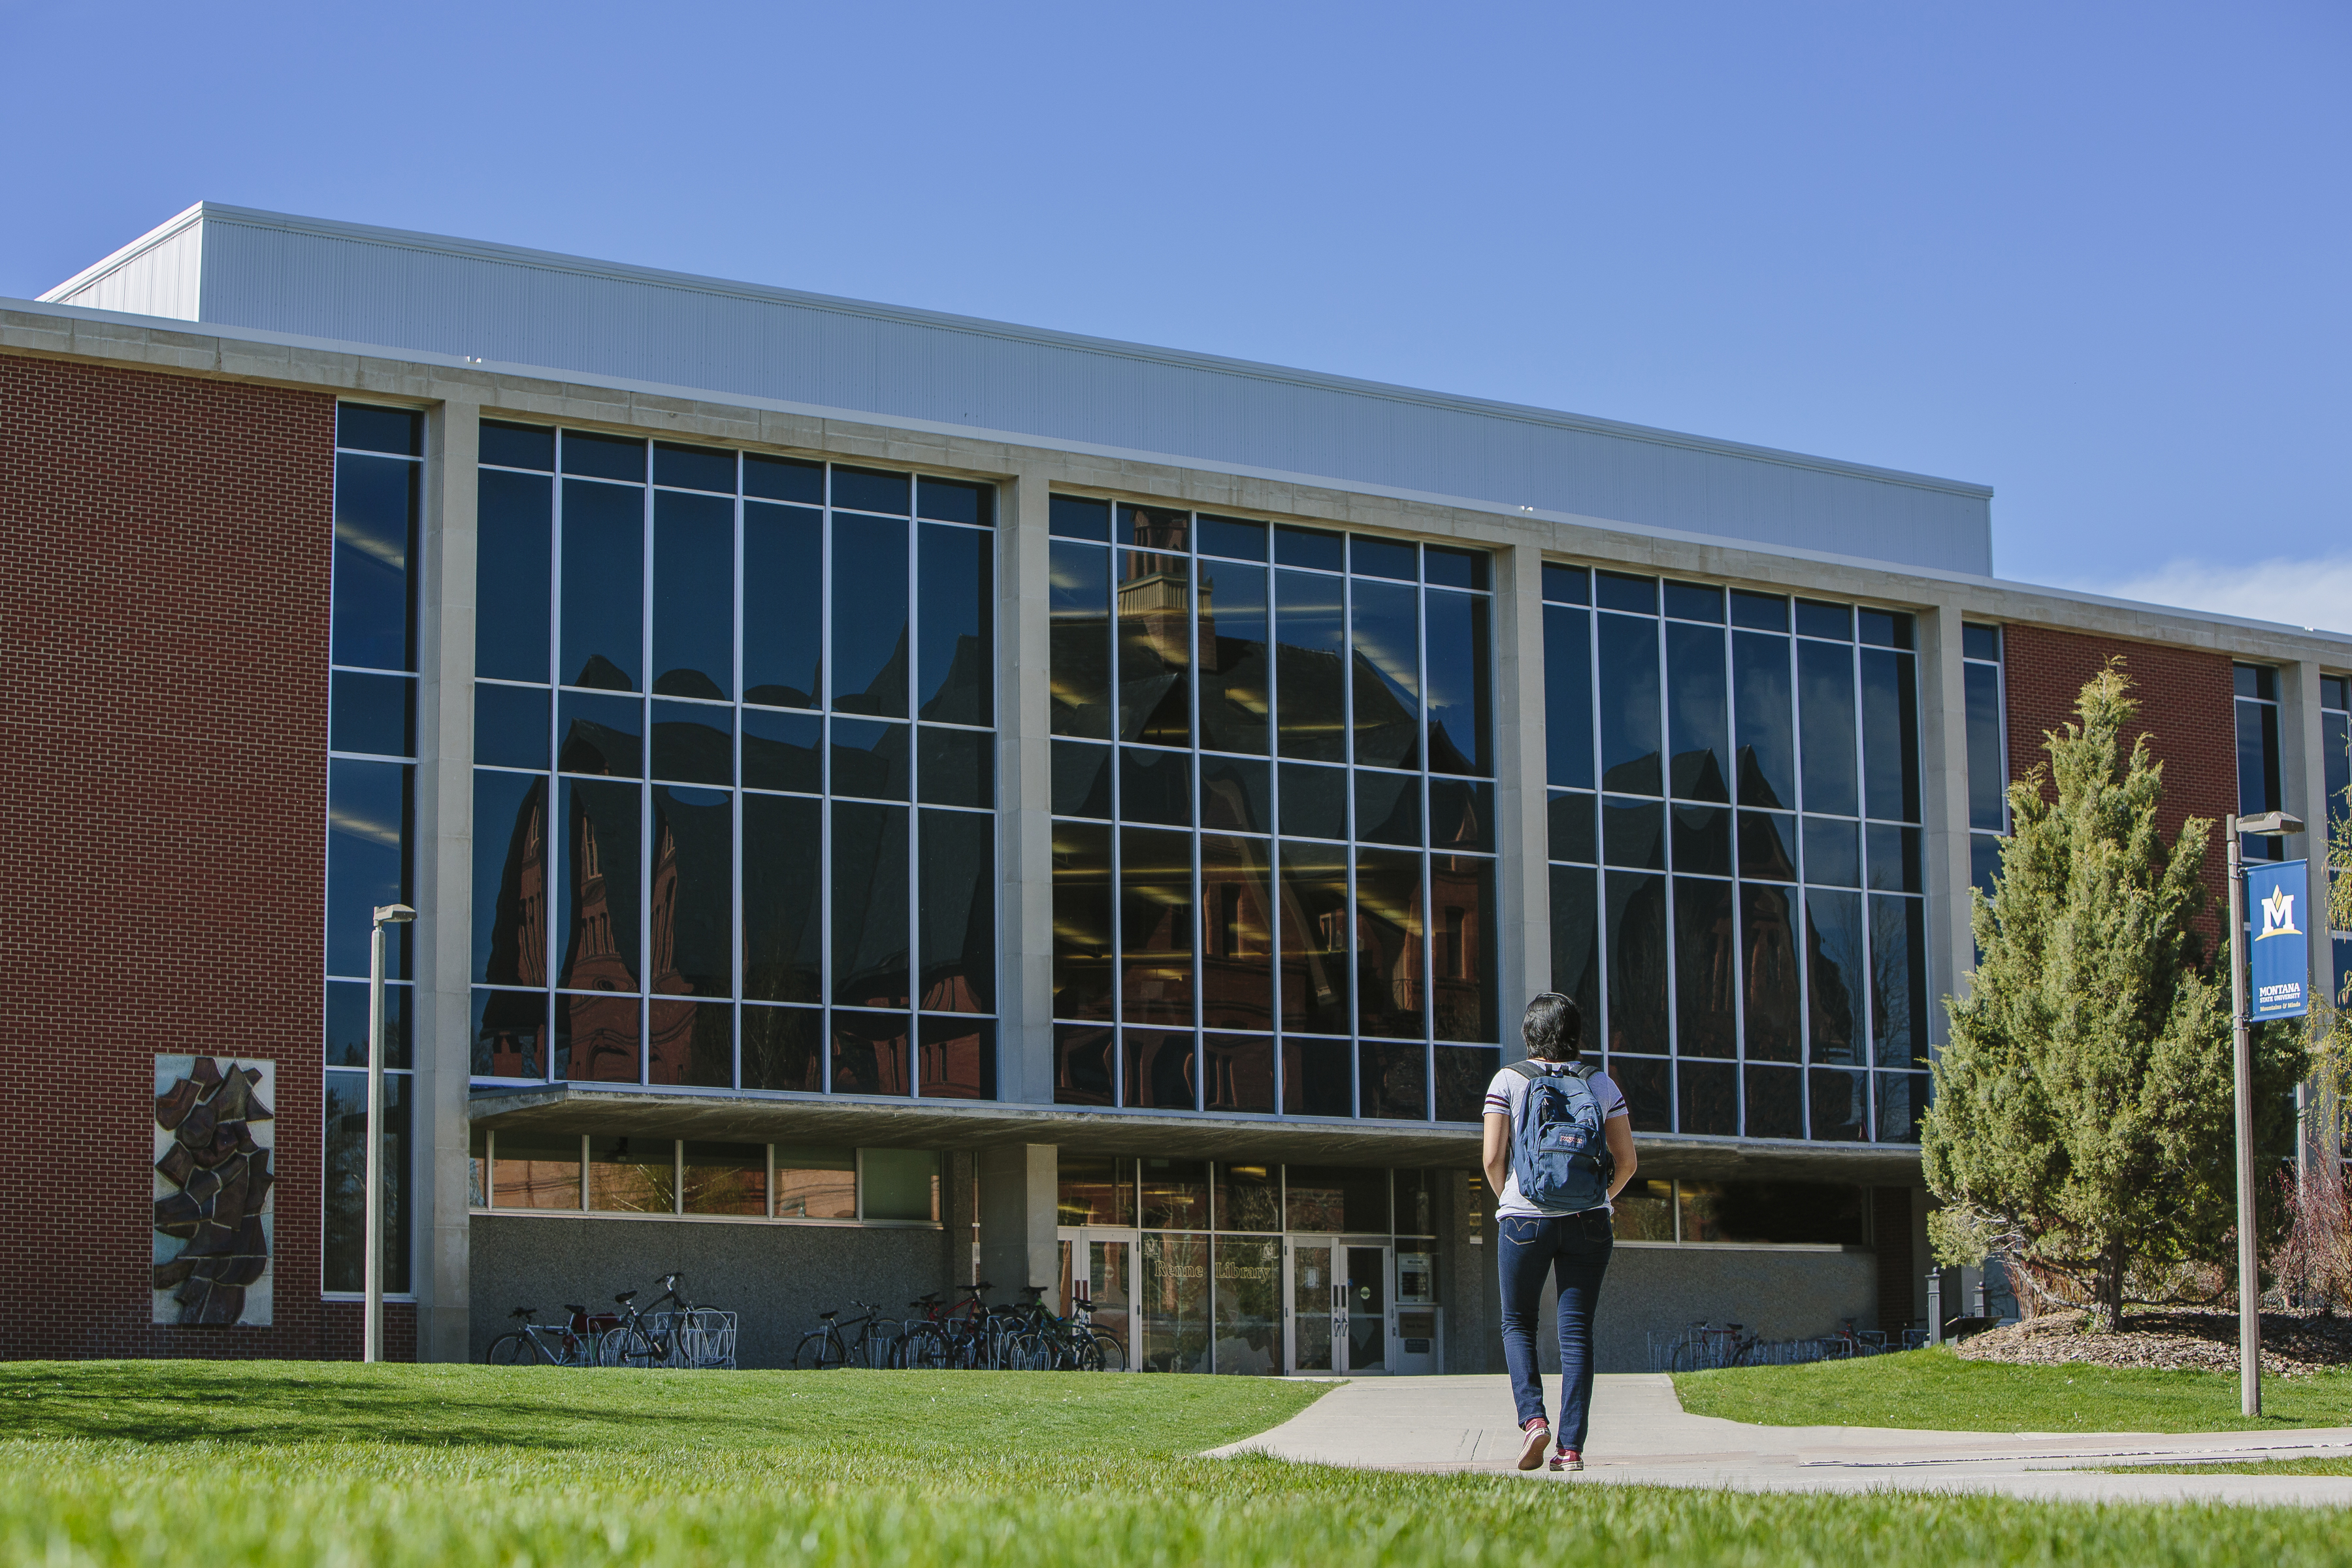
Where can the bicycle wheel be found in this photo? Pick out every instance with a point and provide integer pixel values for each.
(1109, 1354)
(924, 1346)
(627, 1345)
(820, 1350)
(511, 1349)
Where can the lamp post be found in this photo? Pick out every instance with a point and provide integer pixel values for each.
(2249, 1284)
(371, 1182)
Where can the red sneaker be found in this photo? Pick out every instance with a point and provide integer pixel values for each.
(1568, 1459)
(1536, 1438)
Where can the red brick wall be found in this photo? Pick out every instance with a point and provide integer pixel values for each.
(162, 820)
(2187, 711)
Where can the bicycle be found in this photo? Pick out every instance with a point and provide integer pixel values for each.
(533, 1342)
(632, 1342)
(867, 1341)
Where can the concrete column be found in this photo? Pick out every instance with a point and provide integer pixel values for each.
(1944, 808)
(1523, 884)
(444, 849)
(1019, 1189)
(1025, 1057)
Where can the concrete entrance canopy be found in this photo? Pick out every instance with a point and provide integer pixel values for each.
(717, 1118)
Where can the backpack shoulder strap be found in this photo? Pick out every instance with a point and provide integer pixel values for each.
(1526, 1069)
(1585, 1070)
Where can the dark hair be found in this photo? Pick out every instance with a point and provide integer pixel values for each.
(1553, 1028)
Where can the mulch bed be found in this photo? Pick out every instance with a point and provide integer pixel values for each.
(2172, 1339)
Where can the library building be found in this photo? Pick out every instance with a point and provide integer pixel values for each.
(893, 801)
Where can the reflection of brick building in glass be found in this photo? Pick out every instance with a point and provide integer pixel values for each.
(600, 1032)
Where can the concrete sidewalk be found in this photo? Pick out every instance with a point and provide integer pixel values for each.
(1640, 1434)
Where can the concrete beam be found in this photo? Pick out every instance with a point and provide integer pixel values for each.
(1019, 1193)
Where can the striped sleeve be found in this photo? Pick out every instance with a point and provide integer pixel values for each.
(1498, 1098)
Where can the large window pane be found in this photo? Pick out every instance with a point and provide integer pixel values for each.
(783, 1048)
(783, 604)
(1576, 943)
(1352, 1198)
(1155, 656)
(1986, 782)
(870, 1053)
(1083, 943)
(958, 929)
(1237, 1073)
(1706, 1098)
(1836, 984)
(1630, 740)
(815, 1182)
(633, 1175)
(1155, 926)
(869, 905)
(783, 929)
(726, 1178)
(902, 1185)
(1080, 636)
(1460, 684)
(512, 559)
(601, 885)
(1385, 660)
(1707, 981)
(693, 893)
(955, 681)
(370, 807)
(598, 1039)
(1765, 722)
(1310, 634)
(694, 594)
(604, 585)
(1236, 934)
(1175, 1301)
(1776, 1101)
(374, 620)
(1898, 980)
(694, 742)
(2336, 730)
(1388, 932)
(869, 617)
(956, 1058)
(690, 1043)
(535, 1170)
(510, 1034)
(1249, 1197)
(1316, 941)
(342, 1243)
(1825, 703)
(1249, 1306)
(1767, 946)
(1236, 700)
(1699, 716)
(1839, 1103)
(1392, 1080)
(1318, 1077)
(1890, 734)
(1159, 1070)
(1568, 697)
(1082, 1064)
(1637, 963)
(1462, 904)
(510, 874)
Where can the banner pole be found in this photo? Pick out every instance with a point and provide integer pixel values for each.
(2249, 1290)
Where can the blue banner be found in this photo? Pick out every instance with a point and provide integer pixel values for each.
(2278, 959)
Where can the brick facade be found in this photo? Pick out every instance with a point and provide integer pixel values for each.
(162, 820)
(2187, 711)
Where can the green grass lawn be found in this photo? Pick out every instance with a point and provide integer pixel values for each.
(1936, 1389)
(284, 1463)
(2333, 1466)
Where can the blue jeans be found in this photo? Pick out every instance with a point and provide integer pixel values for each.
(1575, 1250)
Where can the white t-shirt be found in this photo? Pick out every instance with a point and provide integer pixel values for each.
(1504, 1098)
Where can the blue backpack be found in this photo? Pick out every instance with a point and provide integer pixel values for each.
(1557, 1149)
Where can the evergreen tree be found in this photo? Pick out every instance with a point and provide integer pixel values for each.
(2082, 1126)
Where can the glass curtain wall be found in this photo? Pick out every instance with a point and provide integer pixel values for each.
(371, 815)
(1988, 752)
(1736, 878)
(2336, 738)
(1273, 763)
(735, 776)
(2258, 753)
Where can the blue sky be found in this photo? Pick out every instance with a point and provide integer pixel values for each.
(2091, 255)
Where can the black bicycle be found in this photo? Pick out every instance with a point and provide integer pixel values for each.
(869, 1340)
(635, 1340)
(534, 1344)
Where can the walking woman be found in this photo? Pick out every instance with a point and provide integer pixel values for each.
(1564, 1122)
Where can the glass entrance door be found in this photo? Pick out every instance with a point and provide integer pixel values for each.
(1098, 1270)
(1308, 1299)
(1366, 1291)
